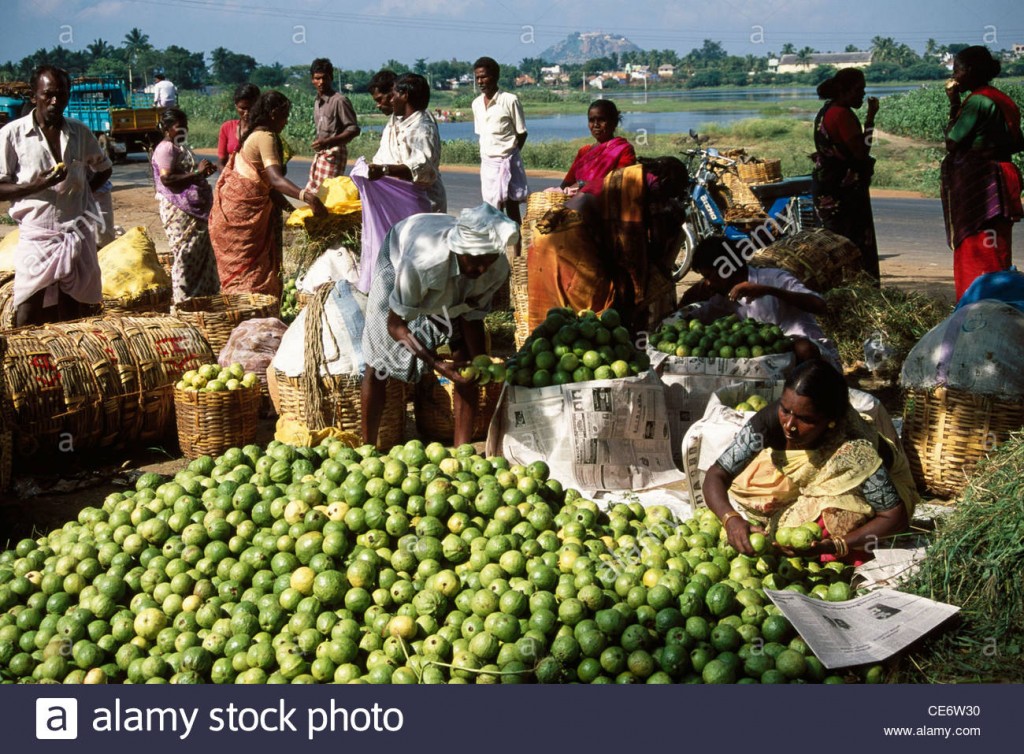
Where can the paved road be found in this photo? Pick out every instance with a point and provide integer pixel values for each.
(909, 231)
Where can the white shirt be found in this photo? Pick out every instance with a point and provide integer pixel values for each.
(790, 319)
(498, 124)
(415, 142)
(427, 276)
(25, 155)
(165, 94)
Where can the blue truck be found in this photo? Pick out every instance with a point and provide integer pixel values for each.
(14, 95)
(122, 120)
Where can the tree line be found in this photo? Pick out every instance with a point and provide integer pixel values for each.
(137, 59)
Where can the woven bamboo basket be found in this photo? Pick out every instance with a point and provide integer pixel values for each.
(520, 298)
(154, 300)
(52, 392)
(116, 372)
(946, 431)
(211, 422)
(7, 302)
(216, 316)
(6, 458)
(340, 405)
(537, 205)
(740, 199)
(819, 258)
(164, 348)
(760, 171)
(434, 406)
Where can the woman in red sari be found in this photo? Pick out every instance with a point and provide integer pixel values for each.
(245, 222)
(981, 187)
(594, 161)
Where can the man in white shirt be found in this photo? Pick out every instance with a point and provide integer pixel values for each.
(435, 279)
(409, 162)
(49, 168)
(165, 94)
(499, 122)
(764, 294)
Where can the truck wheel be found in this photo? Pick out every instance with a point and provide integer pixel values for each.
(684, 257)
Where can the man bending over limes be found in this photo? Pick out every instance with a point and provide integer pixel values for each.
(434, 281)
(765, 294)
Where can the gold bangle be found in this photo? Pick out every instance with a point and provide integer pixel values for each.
(730, 514)
(842, 549)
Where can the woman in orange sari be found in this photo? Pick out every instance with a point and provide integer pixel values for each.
(245, 222)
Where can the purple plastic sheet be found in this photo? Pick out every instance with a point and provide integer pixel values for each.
(385, 202)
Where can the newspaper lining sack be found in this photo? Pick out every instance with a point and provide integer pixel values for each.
(708, 438)
(129, 266)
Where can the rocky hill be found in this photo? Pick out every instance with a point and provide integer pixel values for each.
(583, 46)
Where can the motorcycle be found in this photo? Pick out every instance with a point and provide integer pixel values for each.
(787, 207)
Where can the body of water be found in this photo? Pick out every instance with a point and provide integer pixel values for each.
(567, 127)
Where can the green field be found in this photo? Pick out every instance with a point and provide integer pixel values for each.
(908, 145)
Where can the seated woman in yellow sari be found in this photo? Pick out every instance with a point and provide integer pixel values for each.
(810, 457)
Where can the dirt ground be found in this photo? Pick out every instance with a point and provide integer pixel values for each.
(45, 494)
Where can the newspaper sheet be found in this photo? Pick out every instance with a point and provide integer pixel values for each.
(598, 435)
(864, 630)
(889, 567)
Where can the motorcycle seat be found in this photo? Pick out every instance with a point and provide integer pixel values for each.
(769, 192)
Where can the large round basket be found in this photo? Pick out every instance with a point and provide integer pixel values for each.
(340, 398)
(760, 171)
(946, 432)
(819, 258)
(216, 316)
(433, 402)
(154, 300)
(211, 422)
(7, 302)
(537, 205)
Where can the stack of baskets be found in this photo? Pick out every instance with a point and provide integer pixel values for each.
(211, 422)
(7, 301)
(216, 316)
(153, 300)
(96, 382)
(819, 258)
(434, 403)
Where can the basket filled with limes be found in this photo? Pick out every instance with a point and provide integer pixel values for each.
(434, 399)
(216, 408)
(727, 345)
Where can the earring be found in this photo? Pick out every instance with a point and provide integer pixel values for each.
(831, 425)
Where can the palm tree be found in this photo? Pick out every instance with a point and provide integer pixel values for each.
(804, 56)
(883, 49)
(100, 49)
(788, 49)
(134, 43)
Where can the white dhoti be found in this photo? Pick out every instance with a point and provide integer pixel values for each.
(503, 179)
(62, 258)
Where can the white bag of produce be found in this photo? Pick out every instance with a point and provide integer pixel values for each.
(342, 336)
(330, 267)
(708, 438)
(977, 348)
(596, 435)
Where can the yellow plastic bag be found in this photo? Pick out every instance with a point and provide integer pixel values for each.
(292, 431)
(129, 266)
(7, 248)
(341, 198)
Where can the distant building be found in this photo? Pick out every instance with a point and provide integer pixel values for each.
(526, 80)
(666, 71)
(551, 74)
(793, 64)
(1018, 51)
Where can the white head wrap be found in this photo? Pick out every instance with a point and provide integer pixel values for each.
(482, 230)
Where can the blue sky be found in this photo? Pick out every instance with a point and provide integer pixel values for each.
(365, 34)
